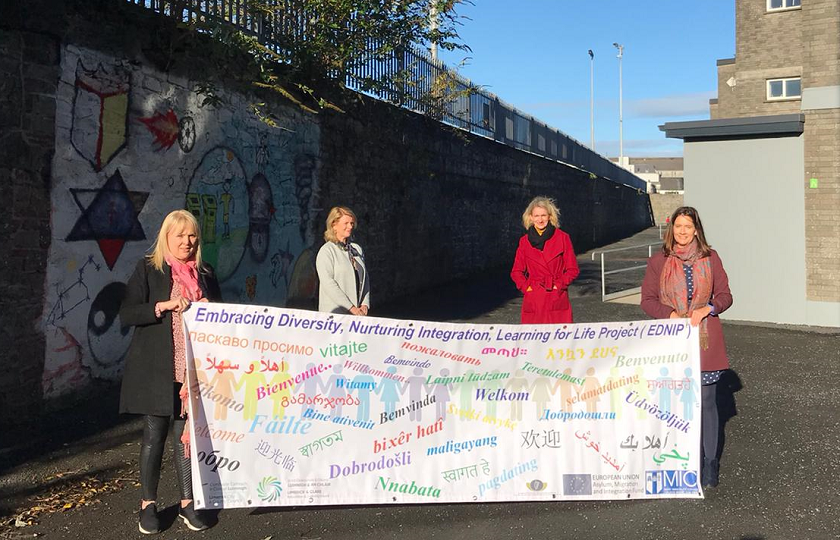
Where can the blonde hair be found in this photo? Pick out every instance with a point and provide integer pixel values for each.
(160, 249)
(544, 203)
(336, 213)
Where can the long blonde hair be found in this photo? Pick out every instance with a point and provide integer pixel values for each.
(548, 205)
(336, 213)
(160, 249)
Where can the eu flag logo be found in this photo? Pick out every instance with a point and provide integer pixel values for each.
(577, 484)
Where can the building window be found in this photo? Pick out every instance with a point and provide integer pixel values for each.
(777, 5)
(784, 88)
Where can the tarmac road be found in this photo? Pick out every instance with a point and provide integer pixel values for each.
(779, 473)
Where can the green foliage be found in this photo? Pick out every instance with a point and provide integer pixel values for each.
(276, 45)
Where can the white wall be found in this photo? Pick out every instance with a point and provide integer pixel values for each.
(750, 195)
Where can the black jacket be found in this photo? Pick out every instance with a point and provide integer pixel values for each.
(148, 376)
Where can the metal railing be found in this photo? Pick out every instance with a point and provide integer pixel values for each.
(470, 108)
(605, 273)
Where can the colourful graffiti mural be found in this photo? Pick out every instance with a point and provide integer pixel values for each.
(117, 171)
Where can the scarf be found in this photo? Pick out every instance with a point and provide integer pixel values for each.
(186, 274)
(673, 290)
(352, 253)
(184, 395)
(538, 240)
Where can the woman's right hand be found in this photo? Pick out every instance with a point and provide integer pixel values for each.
(177, 305)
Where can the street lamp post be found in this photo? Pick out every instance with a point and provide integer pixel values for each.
(433, 24)
(620, 117)
(591, 100)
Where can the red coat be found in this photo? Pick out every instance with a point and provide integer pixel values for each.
(714, 358)
(542, 271)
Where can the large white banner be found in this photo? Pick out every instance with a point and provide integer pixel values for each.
(298, 407)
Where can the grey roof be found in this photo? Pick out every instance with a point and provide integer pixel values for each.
(724, 128)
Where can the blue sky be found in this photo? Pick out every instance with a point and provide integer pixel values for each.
(533, 55)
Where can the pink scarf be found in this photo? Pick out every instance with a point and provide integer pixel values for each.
(186, 274)
(673, 291)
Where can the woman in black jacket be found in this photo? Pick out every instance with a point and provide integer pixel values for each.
(163, 285)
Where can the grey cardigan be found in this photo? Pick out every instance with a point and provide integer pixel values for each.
(337, 289)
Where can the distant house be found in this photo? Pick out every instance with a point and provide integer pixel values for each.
(661, 174)
(764, 170)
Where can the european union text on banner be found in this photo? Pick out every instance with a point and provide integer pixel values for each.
(293, 407)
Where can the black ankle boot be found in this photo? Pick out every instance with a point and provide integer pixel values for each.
(711, 470)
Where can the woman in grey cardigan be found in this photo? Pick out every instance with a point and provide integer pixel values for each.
(344, 281)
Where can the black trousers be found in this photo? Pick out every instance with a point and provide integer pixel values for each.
(710, 423)
(155, 429)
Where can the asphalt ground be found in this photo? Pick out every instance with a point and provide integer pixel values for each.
(74, 475)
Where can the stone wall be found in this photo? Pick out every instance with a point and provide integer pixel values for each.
(101, 143)
(29, 63)
(664, 204)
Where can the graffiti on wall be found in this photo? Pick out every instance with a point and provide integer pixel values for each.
(109, 216)
(133, 144)
(69, 297)
(217, 195)
(100, 112)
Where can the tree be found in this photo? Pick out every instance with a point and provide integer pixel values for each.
(287, 44)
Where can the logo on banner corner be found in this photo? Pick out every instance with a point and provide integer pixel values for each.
(676, 481)
(269, 489)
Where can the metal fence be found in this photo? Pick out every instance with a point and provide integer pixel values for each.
(431, 88)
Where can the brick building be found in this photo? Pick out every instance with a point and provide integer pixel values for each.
(764, 171)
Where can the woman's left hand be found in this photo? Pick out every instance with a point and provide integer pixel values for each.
(364, 309)
(698, 315)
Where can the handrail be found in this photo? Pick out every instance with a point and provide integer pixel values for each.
(626, 248)
(604, 273)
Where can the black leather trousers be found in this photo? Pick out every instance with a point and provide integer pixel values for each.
(155, 429)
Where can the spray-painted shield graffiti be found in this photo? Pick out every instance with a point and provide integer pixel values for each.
(100, 113)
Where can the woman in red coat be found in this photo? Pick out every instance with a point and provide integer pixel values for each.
(687, 280)
(544, 266)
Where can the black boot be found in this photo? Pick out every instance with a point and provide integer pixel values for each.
(711, 470)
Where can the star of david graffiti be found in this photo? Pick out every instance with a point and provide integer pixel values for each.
(109, 216)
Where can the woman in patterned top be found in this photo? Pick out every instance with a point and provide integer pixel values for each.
(163, 286)
(687, 280)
